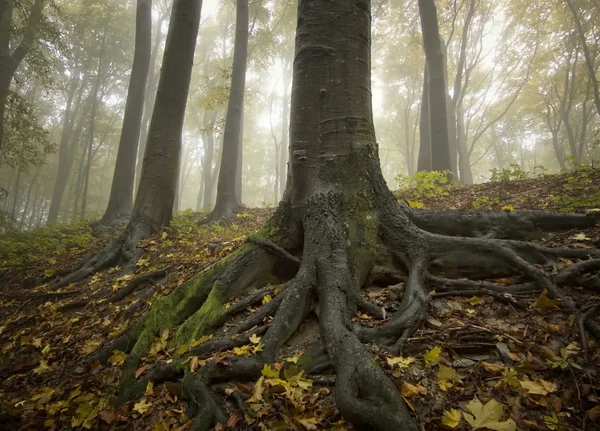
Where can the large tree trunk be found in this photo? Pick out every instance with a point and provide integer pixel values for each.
(228, 186)
(120, 201)
(149, 99)
(285, 139)
(437, 89)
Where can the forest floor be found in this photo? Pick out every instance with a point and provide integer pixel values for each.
(527, 358)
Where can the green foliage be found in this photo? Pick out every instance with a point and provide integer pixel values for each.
(25, 141)
(425, 184)
(43, 246)
(509, 174)
(485, 202)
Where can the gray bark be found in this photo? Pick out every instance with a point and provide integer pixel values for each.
(438, 112)
(228, 189)
(121, 194)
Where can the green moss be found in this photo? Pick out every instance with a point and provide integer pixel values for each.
(203, 320)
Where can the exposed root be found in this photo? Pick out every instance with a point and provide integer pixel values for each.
(274, 248)
(586, 316)
(498, 224)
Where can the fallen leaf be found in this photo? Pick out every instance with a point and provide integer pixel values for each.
(452, 418)
(594, 414)
(117, 358)
(488, 416)
(254, 339)
(142, 406)
(545, 303)
(433, 356)
(409, 390)
(267, 299)
(42, 367)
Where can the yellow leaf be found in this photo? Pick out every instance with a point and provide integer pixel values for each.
(409, 390)
(37, 342)
(475, 301)
(142, 407)
(118, 357)
(43, 396)
(293, 359)
(433, 356)
(580, 237)
(149, 388)
(539, 387)
(258, 348)
(254, 339)
(201, 340)
(470, 311)
(242, 351)
(267, 299)
(451, 418)
(414, 204)
(46, 350)
(400, 361)
(488, 416)
(447, 377)
(594, 414)
(508, 208)
(551, 421)
(545, 303)
(493, 368)
(90, 347)
(42, 367)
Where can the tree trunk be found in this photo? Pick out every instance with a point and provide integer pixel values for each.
(464, 164)
(228, 187)
(208, 139)
(65, 159)
(120, 201)
(424, 163)
(149, 99)
(437, 90)
(285, 139)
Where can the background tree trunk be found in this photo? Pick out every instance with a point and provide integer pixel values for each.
(437, 92)
(228, 189)
(121, 193)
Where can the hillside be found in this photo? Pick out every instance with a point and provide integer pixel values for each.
(515, 347)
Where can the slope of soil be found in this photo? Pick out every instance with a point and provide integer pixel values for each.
(516, 354)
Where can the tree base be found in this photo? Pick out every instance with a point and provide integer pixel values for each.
(324, 253)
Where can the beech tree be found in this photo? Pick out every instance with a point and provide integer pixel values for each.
(337, 227)
(153, 206)
(228, 185)
(121, 193)
(436, 90)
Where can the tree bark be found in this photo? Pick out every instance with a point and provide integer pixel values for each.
(437, 90)
(424, 162)
(228, 186)
(285, 139)
(120, 201)
(149, 99)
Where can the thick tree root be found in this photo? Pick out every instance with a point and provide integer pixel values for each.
(498, 224)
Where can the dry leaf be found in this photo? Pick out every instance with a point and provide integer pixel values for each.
(488, 416)
(452, 418)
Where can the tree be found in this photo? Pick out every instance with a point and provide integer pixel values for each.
(228, 201)
(10, 60)
(337, 221)
(153, 206)
(589, 61)
(121, 193)
(436, 88)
